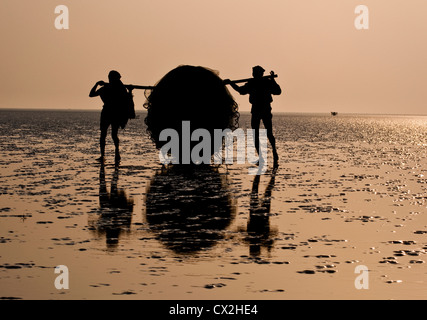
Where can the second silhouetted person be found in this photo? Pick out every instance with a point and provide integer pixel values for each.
(260, 89)
(118, 108)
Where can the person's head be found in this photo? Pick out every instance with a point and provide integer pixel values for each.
(258, 72)
(114, 76)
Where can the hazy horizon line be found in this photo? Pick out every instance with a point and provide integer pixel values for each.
(242, 111)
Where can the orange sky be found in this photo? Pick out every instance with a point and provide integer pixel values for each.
(323, 62)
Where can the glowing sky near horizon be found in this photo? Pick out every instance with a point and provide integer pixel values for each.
(323, 62)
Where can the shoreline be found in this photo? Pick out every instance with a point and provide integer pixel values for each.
(291, 113)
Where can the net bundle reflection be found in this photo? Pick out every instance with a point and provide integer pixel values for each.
(189, 208)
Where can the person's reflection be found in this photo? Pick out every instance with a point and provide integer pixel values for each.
(189, 207)
(260, 233)
(115, 209)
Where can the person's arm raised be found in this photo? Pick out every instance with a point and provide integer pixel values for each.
(241, 90)
(275, 88)
(94, 92)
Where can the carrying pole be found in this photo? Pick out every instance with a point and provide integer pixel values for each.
(246, 80)
(138, 87)
(128, 86)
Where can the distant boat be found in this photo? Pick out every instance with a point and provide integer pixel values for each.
(334, 113)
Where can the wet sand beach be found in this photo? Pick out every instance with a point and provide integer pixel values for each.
(350, 191)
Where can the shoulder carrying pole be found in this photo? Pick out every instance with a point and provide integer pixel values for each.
(246, 80)
(138, 87)
(233, 81)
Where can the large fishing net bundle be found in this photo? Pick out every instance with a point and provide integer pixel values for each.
(190, 93)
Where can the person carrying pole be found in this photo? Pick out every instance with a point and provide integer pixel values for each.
(260, 89)
(118, 108)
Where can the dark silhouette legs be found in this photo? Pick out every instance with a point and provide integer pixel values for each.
(102, 141)
(114, 135)
(268, 125)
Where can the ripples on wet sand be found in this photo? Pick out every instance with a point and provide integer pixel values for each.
(351, 190)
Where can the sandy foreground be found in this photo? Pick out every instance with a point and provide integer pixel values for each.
(334, 206)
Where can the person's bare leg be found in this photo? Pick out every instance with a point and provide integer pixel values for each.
(114, 134)
(255, 122)
(104, 128)
(268, 125)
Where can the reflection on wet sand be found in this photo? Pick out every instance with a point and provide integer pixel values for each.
(115, 207)
(188, 208)
(351, 191)
(260, 233)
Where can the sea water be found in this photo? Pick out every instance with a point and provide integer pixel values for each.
(350, 191)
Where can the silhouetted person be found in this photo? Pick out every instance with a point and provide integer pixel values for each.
(118, 108)
(258, 229)
(260, 89)
(115, 207)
